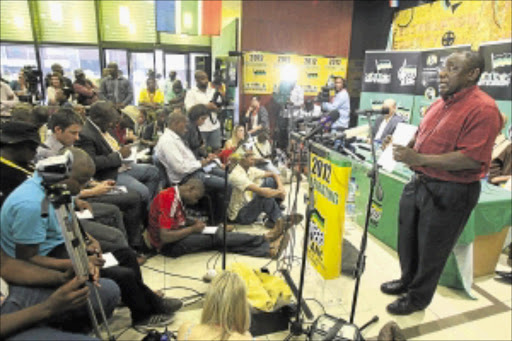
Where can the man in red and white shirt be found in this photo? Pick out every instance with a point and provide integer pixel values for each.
(450, 154)
(170, 233)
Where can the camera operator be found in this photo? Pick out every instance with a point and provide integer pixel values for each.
(204, 94)
(341, 103)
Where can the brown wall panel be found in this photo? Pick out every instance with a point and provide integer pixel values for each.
(301, 27)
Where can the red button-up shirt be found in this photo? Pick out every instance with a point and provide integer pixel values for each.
(468, 122)
(167, 213)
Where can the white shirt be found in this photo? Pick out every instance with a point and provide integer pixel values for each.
(175, 156)
(5, 93)
(297, 99)
(195, 96)
(240, 180)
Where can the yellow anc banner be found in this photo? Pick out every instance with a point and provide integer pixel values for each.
(447, 23)
(329, 179)
(263, 71)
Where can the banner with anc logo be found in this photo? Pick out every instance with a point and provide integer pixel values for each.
(390, 71)
(329, 177)
(264, 72)
(495, 79)
(258, 72)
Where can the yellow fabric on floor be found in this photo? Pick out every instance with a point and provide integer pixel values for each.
(263, 290)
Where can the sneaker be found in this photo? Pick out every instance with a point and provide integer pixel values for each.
(153, 321)
(170, 305)
(278, 246)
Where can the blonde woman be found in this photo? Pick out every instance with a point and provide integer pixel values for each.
(237, 135)
(225, 313)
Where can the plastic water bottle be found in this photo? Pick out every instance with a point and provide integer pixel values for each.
(350, 206)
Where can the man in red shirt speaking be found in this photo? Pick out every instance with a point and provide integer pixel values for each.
(449, 155)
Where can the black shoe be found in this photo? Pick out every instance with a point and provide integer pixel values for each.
(170, 305)
(402, 306)
(395, 287)
(505, 276)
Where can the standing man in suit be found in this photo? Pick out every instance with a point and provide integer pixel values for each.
(386, 125)
(108, 155)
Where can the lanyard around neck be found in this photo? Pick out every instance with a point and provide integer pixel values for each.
(13, 165)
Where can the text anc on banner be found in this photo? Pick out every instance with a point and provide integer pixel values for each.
(329, 181)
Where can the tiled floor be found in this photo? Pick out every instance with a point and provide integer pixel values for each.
(451, 315)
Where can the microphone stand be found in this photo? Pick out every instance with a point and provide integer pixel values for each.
(296, 327)
(226, 203)
(361, 259)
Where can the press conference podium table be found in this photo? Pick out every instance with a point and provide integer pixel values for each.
(478, 248)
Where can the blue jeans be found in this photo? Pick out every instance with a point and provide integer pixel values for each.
(250, 212)
(213, 181)
(49, 334)
(142, 178)
(21, 297)
(212, 139)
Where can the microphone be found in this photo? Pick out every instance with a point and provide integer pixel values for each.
(383, 111)
(325, 122)
(310, 119)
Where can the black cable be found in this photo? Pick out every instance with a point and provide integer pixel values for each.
(172, 274)
(318, 302)
(121, 333)
(182, 287)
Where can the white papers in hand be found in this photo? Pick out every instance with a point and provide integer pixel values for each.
(85, 214)
(210, 229)
(110, 260)
(402, 136)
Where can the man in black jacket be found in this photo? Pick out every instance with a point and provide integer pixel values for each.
(386, 125)
(108, 155)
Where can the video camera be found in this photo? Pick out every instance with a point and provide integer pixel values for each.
(56, 168)
(324, 94)
(32, 78)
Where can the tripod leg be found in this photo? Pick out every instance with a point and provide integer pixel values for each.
(372, 321)
(103, 316)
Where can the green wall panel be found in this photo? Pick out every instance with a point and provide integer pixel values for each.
(15, 21)
(67, 21)
(128, 21)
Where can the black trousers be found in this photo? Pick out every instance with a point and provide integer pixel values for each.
(138, 297)
(130, 205)
(240, 243)
(432, 216)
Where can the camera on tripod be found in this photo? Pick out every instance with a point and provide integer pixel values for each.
(32, 78)
(56, 168)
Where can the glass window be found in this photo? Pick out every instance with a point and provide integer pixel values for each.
(72, 58)
(67, 21)
(120, 57)
(140, 64)
(178, 63)
(128, 21)
(15, 21)
(15, 57)
(198, 61)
